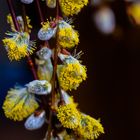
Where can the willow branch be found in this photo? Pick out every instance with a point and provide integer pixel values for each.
(24, 18)
(56, 49)
(12, 12)
(31, 64)
(39, 10)
(53, 90)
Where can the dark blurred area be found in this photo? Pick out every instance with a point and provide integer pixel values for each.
(111, 91)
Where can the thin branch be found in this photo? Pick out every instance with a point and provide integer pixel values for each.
(31, 64)
(12, 12)
(56, 49)
(39, 10)
(24, 18)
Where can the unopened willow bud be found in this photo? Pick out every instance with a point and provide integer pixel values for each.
(40, 87)
(35, 122)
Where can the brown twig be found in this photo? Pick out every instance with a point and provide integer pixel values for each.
(39, 11)
(31, 64)
(11, 9)
(56, 49)
(59, 91)
(24, 18)
(53, 81)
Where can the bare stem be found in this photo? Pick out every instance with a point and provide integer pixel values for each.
(31, 64)
(56, 49)
(24, 18)
(59, 91)
(12, 12)
(53, 90)
(39, 10)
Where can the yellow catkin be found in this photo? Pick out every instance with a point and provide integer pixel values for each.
(68, 115)
(68, 37)
(71, 7)
(19, 104)
(89, 128)
(18, 47)
(71, 75)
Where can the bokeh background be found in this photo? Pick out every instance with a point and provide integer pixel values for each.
(112, 56)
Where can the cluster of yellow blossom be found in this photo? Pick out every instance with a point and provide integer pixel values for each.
(89, 128)
(84, 126)
(67, 36)
(71, 75)
(71, 7)
(18, 45)
(19, 104)
(68, 115)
